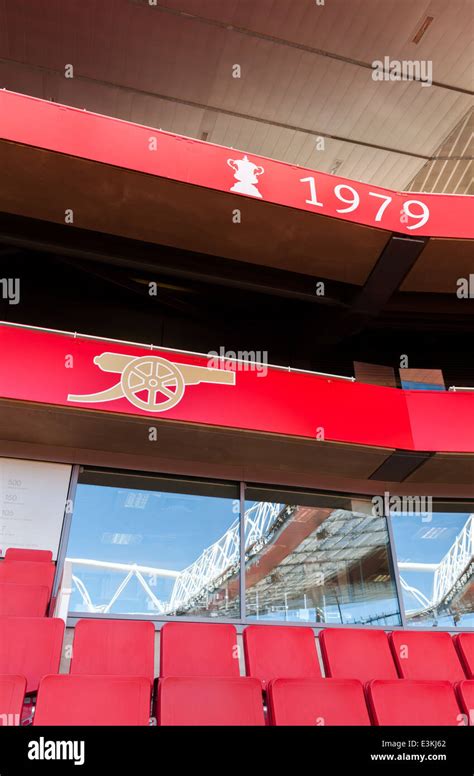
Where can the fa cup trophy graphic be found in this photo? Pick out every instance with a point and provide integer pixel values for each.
(246, 176)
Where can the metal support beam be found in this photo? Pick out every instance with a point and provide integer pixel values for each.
(398, 466)
(395, 262)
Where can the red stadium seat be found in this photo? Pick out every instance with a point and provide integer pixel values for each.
(465, 646)
(38, 556)
(209, 701)
(275, 651)
(360, 653)
(28, 572)
(31, 647)
(426, 655)
(317, 702)
(12, 694)
(93, 700)
(114, 648)
(199, 649)
(23, 600)
(465, 693)
(413, 702)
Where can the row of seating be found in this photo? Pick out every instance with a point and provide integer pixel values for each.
(405, 678)
(26, 578)
(397, 702)
(110, 649)
(125, 700)
(373, 654)
(26, 582)
(32, 646)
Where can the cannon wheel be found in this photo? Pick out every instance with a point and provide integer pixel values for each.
(157, 377)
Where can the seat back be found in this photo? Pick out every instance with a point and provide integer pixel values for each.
(317, 702)
(114, 648)
(279, 651)
(426, 655)
(412, 702)
(23, 600)
(93, 700)
(199, 649)
(28, 572)
(465, 693)
(465, 646)
(30, 647)
(12, 694)
(38, 556)
(360, 653)
(209, 701)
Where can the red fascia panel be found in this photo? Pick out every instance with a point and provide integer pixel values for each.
(51, 368)
(76, 132)
(441, 421)
(34, 368)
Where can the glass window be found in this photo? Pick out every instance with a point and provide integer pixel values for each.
(152, 546)
(317, 559)
(436, 564)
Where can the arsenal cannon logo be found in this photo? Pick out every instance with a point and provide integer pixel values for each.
(151, 383)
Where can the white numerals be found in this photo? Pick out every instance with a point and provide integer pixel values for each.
(412, 208)
(313, 200)
(383, 206)
(421, 217)
(353, 202)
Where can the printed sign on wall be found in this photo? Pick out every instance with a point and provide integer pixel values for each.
(33, 498)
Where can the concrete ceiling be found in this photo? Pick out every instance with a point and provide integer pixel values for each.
(305, 74)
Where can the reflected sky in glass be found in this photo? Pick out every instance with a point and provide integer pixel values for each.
(426, 541)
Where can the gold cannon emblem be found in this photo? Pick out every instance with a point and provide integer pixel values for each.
(151, 383)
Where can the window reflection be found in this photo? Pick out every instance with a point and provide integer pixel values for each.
(317, 562)
(166, 548)
(436, 567)
(150, 546)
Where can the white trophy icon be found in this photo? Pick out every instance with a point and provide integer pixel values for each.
(246, 173)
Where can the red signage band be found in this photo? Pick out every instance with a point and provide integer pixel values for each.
(35, 122)
(74, 372)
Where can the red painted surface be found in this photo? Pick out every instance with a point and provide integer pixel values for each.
(438, 416)
(78, 133)
(34, 367)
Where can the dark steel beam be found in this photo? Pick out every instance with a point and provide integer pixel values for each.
(395, 262)
(398, 466)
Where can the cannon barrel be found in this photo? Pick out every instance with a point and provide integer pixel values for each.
(192, 375)
(113, 362)
(201, 374)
